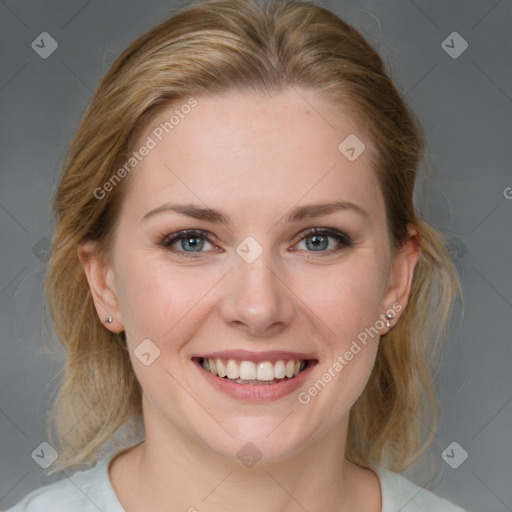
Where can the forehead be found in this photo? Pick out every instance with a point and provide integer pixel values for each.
(251, 150)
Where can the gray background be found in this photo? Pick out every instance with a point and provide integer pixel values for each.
(465, 105)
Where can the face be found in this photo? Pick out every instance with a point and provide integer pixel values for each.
(225, 256)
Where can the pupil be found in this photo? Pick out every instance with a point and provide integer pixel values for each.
(194, 243)
(318, 242)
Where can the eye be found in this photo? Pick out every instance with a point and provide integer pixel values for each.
(185, 243)
(321, 240)
(190, 243)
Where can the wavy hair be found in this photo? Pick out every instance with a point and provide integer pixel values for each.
(240, 45)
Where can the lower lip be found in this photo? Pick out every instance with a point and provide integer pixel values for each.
(256, 392)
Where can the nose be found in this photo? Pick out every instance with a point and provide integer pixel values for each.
(257, 300)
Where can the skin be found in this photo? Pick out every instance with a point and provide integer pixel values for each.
(254, 157)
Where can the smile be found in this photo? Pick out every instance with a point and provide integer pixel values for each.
(250, 373)
(255, 376)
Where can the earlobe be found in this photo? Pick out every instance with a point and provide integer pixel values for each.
(101, 283)
(401, 275)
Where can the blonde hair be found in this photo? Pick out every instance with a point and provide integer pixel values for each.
(241, 45)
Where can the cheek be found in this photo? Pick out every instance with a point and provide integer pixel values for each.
(347, 298)
(158, 299)
(349, 308)
(348, 302)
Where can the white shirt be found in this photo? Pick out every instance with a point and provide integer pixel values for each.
(91, 491)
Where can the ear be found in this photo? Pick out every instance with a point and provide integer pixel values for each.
(402, 271)
(100, 277)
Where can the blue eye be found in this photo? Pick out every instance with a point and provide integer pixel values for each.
(319, 240)
(188, 241)
(191, 243)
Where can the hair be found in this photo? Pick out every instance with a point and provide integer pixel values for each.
(239, 46)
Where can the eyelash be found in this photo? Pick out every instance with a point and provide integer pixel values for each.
(169, 240)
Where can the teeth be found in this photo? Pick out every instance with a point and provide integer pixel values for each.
(245, 371)
(221, 369)
(279, 370)
(265, 371)
(248, 370)
(232, 370)
(290, 366)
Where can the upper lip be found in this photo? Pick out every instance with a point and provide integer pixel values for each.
(256, 357)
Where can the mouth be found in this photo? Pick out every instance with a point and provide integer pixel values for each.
(255, 377)
(250, 373)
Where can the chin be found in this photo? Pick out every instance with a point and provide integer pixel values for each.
(261, 441)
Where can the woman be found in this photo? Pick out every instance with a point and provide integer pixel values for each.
(239, 276)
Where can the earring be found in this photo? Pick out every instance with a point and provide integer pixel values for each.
(109, 320)
(389, 316)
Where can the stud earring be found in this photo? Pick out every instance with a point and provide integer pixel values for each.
(109, 320)
(389, 315)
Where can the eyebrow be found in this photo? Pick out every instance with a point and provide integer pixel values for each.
(296, 215)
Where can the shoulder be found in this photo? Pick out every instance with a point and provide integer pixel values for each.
(400, 494)
(84, 491)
